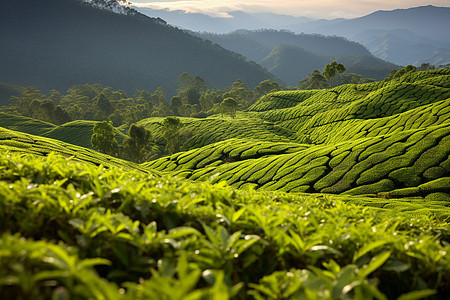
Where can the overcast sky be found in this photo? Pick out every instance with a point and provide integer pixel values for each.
(326, 9)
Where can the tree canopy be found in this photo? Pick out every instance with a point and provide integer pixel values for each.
(139, 146)
(229, 106)
(103, 138)
(332, 69)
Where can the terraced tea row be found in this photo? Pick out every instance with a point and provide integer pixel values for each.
(408, 163)
(329, 133)
(212, 130)
(330, 116)
(231, 150)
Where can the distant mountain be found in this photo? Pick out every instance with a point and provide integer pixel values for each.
(429, 21)
(402, 36)
(54, 44)
(236, 20)
(292, 56)
(292, 63)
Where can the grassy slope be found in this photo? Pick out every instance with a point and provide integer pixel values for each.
(77, 132)
(384, 139)
(20, 142)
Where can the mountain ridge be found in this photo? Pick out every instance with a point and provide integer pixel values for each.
(425, 21)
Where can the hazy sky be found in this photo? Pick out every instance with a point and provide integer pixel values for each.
(311, 8)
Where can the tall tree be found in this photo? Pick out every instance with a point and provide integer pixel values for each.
(332, 69)
(103, 138)
(139, 145)
(229, 106)
(190, 88)
(240, 92)
(171, 132)
(317, 81)
(265, 87)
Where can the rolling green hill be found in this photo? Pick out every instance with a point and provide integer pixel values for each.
(385, 139)
(15, 141)
(76, 132)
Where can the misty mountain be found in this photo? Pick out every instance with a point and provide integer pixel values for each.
(429, 21)
(292, 56)
(421, 32)
(401, 36)
(293, 63)
(236, 20)
(54, 44)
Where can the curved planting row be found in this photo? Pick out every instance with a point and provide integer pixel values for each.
(332, 115)
(212, 130)
(435, 76)
(24, 124)
(77, 132)
(15, 141)
(409, 163)
(282, 99)
(222, 153)
(319, 131)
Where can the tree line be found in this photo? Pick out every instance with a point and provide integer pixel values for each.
(98, 103)
(332, 76)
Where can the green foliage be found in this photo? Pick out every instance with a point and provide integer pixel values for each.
(331, 70)
(32, 103)
(103, 138)
(229, 106)
(316, 81)
(72, 229)
(139, 145)
(171, 127)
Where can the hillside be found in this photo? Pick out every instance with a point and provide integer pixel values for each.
(396, 36)
(76, 132)
(292, 56)
(384, 139)
(49, 45)
(432, 19)
(318, 194)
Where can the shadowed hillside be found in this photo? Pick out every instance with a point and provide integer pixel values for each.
(292, 56)
(55, 44)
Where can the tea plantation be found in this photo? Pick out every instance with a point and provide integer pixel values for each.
(325, 194)
(384, 139)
